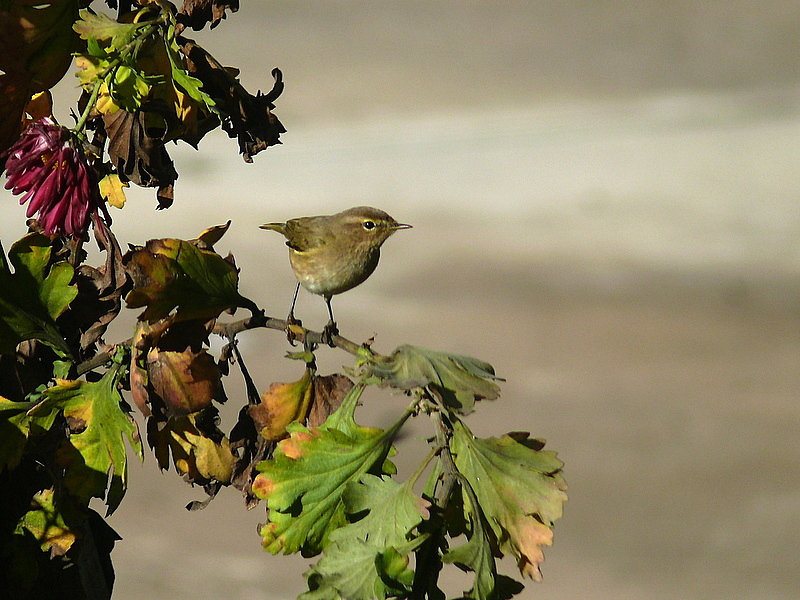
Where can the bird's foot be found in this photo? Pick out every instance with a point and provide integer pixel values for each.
(294, 328)
(329, 332)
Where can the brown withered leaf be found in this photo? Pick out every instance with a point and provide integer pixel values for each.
(248, 118)
(329, 391)
(196, 13)
(250, 449)
(175, 275)
(136, 149)
(138, 373)
(100, 289)
(185, 381)
(172, 374)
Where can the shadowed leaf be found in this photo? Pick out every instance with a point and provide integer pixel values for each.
(460, 380)
(47, 525)
(95, 458)
(174, 274)
(34, 296)
(36, 42)
(199, 452)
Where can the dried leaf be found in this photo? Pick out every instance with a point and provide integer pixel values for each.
(196, 13)
(100, 290)
(281, 404)
(200, 452)
(246, 117)
(172, 374)
(138, 153)
(185, 381)
(174, 274)
(329, 392)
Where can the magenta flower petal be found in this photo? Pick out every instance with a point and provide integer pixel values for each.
(48, 169)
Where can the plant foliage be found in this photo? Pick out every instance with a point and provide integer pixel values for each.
(70, 400)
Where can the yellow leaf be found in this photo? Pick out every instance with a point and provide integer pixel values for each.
(111, 188)
(212, 235)
(39, 106)
(195, 455)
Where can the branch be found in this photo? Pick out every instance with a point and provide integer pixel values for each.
(428, 554)
(230, 330)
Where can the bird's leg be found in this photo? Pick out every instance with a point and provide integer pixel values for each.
(291, 320)
(330, 329)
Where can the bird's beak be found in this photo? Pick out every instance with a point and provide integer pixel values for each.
(401, 226)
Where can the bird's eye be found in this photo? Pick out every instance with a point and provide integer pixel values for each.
(369, 225)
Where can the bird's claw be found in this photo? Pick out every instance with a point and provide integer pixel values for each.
(329, 332)
(294, 328)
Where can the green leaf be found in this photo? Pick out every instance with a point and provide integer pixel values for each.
(191, 85)
(477, 554)
(363, 561)
(519, 488)
(356, 570)
(100, 27)
(47, 524)
(391, 510)
(305, 481)
(34, 296)
(128, 88)
(95, 458)
(460, 380)
(170, 273)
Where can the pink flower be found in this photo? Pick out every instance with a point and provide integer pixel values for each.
(54, 175)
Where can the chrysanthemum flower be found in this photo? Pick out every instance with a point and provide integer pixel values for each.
(55, 177)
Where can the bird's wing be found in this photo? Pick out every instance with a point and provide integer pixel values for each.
(298, 236)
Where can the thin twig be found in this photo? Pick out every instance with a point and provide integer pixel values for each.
(257, 320)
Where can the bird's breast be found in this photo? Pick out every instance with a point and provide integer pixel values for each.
(328, 273)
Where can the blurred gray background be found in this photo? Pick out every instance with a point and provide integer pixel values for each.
(606, 207)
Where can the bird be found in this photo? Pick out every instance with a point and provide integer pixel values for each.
(331, 254)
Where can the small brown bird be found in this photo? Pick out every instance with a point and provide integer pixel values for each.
(334, 253)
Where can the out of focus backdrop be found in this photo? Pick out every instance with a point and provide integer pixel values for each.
(606, 206)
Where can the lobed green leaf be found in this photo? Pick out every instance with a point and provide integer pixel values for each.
(460, 380)
(34, 295)
(95, 457)
(305, 482)
(519, 488)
